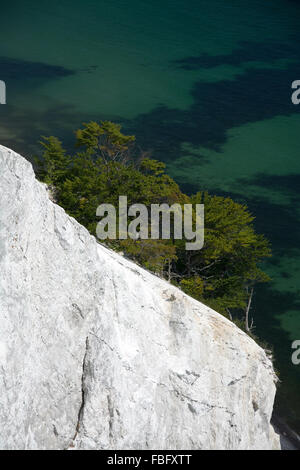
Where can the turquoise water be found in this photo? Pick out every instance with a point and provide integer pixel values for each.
(204, 84)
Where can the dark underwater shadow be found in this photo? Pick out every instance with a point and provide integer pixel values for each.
(20, 70)
(246, 52)
(254, 94)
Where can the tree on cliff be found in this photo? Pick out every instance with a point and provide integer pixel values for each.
(105, 141)
(222, 275)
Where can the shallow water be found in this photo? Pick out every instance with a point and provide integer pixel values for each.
(204, 84)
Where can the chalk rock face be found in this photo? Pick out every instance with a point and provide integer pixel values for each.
(97, 353)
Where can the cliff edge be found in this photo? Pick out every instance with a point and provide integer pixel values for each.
(97, 353)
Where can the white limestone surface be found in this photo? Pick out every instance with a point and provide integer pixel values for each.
(97, 353)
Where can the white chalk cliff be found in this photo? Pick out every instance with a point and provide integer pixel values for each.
(97, 353)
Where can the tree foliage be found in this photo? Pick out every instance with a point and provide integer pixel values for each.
(107, 165)
(229, 263)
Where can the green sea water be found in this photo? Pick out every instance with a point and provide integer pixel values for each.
(206, 85)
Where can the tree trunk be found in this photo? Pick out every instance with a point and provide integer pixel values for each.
(169, 270)
(248, 310)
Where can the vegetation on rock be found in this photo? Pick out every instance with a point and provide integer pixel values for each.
(106, 165)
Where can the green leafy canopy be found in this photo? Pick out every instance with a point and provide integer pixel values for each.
(107, 165)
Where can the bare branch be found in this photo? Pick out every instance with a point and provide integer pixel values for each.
(248, 310)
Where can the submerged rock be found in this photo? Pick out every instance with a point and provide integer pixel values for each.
(97, 353)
